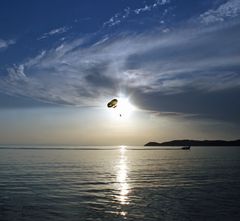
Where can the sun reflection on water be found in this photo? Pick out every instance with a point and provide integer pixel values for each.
(121, 178)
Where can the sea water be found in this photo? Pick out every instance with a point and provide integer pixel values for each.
(119, 183)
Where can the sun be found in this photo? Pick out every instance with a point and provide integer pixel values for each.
(123, 109)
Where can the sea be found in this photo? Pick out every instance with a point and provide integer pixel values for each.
(119, 183)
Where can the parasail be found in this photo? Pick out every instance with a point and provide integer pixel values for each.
(113, 103)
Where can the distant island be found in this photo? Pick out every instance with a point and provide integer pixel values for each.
(195, 143)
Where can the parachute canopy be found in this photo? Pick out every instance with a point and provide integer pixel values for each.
(112, 103)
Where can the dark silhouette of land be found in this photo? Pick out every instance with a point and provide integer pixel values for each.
(196, 143)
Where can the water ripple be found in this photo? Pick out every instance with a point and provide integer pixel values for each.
(202, 184)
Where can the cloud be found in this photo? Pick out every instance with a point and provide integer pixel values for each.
(16, 73)
(56, 31)
(227, 10)
(121, 16)
(5, 44)
(144, 9)
(162, 71)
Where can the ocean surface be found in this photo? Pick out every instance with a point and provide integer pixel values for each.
(119, 183)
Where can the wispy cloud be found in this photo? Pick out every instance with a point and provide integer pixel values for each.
(56, 31)
(226, 10)
(6, 43)
(16, 73)
(121, 16)
(202, 61)
(158, 63)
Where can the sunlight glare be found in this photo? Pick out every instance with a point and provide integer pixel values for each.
(122, 148)
(124, 108)
(122, 169)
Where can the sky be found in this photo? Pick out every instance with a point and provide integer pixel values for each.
(175, 64)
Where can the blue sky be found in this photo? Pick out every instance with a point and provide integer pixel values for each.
(177, 61)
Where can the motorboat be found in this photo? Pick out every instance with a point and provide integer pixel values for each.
(186, 147)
